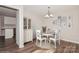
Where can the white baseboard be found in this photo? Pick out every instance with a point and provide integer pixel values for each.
(77, 42)
(21, 46)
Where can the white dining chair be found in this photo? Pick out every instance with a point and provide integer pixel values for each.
(55, 38)
(39, 37)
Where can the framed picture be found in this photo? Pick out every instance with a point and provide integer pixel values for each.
(69, 22)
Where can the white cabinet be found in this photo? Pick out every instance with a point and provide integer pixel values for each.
(28, 33)
(8, 33)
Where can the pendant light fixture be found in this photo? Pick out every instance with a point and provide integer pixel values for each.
(49, 14)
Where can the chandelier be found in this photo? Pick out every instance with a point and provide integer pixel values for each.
(49, 14)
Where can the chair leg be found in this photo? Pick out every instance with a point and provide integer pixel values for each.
(49, 42)
(55, 43)
(40, 43)
(59, 41)
(45, 42)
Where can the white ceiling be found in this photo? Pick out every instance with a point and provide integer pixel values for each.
(7, 12)
(41, 10)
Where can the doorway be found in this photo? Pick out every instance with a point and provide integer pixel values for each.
(7, 26)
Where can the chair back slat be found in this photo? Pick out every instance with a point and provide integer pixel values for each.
(38, 34)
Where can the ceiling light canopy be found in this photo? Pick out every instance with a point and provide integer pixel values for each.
(49, 14)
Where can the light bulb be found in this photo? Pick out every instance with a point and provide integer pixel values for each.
(51, 15)
(47, 16)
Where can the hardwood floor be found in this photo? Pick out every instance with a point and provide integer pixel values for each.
(67, 47)
(30, 47)
(2, 40)
(10, 46)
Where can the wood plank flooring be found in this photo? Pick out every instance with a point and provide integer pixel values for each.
(67, 47)
(11, 47)
(30, 47)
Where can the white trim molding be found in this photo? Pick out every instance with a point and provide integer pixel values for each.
(77, 42)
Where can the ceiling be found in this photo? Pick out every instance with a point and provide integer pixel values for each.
(41, 10)
(7, 11)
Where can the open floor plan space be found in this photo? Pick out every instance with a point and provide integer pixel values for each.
(39, 29)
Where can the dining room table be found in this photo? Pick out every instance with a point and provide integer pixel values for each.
(47, 35)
